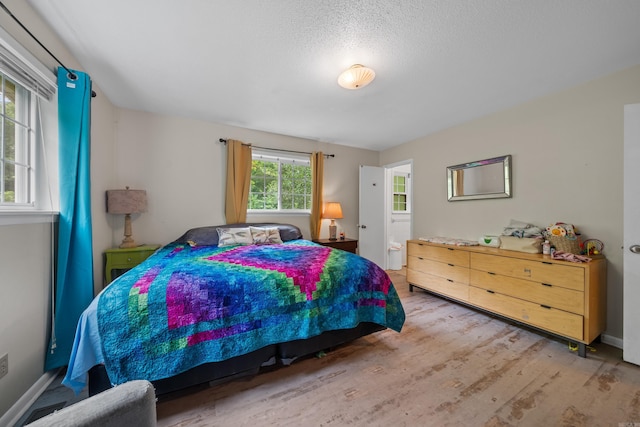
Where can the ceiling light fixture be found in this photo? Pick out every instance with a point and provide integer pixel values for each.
(356, 77)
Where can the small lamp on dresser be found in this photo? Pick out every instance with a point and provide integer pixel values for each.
(332, 211)
(126, 202)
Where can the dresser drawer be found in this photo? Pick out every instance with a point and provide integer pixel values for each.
(119, 260)
(536, 292)
(446, 271)
(551, 319)
(447, 255)
(130, 258)
(450, 288)
(562, 275)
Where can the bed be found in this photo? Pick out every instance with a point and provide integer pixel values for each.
(224, 301)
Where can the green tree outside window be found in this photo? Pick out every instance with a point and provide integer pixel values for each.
(15, 144)
(399, 193)
(280, 184)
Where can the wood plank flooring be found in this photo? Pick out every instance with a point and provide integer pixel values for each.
(450, 366)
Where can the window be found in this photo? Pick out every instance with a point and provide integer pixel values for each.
(28, 113)
(280, 183)
(17, 155)
(400, 193)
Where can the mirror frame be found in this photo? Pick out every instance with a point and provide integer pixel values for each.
(506, 173)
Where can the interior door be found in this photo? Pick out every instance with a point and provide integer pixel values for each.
(371, 224)
(631, 233)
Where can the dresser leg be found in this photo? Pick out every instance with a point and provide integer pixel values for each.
(410, 287)
(582, 350)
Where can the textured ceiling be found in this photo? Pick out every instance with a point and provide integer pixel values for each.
(273, 65)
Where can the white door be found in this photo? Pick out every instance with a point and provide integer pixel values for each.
(631, 233)
(371, 231)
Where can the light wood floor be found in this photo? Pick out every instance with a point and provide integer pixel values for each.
(450, 366)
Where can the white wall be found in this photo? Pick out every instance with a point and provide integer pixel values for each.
(567, 166)
(181, 165)
(25, 263)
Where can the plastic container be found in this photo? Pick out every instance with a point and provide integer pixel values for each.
(546, 248)
(395, 256)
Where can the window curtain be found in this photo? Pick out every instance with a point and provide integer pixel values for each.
(238, 181)
(317, 178)
(74, 279)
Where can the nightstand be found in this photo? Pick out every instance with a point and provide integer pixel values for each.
(349, 245)
(118, 261)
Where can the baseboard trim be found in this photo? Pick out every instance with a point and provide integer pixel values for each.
(13, 415)
(611, 340)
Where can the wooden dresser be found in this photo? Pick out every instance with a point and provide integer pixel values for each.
(563, 298)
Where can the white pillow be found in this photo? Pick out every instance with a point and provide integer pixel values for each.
(234, 236)
(265, 235)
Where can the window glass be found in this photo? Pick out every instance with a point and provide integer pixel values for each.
(280, 183)
(17, 155)
(400, 193)
(399, 202)
(399, 184)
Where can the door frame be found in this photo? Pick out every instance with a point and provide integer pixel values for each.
(389, 200)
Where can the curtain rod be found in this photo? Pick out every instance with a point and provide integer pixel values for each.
(72, 75)
(224, 141)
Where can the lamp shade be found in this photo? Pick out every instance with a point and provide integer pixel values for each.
(355, 77)
(332, 210)
(126, 201)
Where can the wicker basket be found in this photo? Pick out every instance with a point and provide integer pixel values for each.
(561, 243)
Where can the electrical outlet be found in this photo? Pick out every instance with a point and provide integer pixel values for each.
(4, 365)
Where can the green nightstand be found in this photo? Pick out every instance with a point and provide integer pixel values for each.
(118, 261)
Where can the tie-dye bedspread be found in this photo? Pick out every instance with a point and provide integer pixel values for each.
(188, 305)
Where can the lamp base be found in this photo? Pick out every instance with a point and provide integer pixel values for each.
(128, 241)
(333, 230)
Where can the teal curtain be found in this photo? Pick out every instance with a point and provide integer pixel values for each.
(74, 277)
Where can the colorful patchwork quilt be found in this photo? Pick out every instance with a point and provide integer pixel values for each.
(185, 306)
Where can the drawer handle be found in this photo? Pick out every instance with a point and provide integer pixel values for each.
(450, 265)
(545, 306)
(546, 284)
(491, 273)
(547, 262)
(128, 259)
(491, 292)
(451, 249)
(420, 257)
(449, 280)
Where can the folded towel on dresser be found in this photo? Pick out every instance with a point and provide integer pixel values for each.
(449, 241)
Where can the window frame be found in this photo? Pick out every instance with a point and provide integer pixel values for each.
(282, 158)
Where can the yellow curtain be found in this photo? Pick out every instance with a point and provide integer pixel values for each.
(317, 177)
(238, 181)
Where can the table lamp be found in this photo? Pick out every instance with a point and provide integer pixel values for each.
(127, 202)
(332, 211)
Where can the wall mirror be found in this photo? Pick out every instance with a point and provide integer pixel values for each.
(483, 179)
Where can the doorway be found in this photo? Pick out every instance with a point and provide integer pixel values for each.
(385, 220)
(398, 217)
